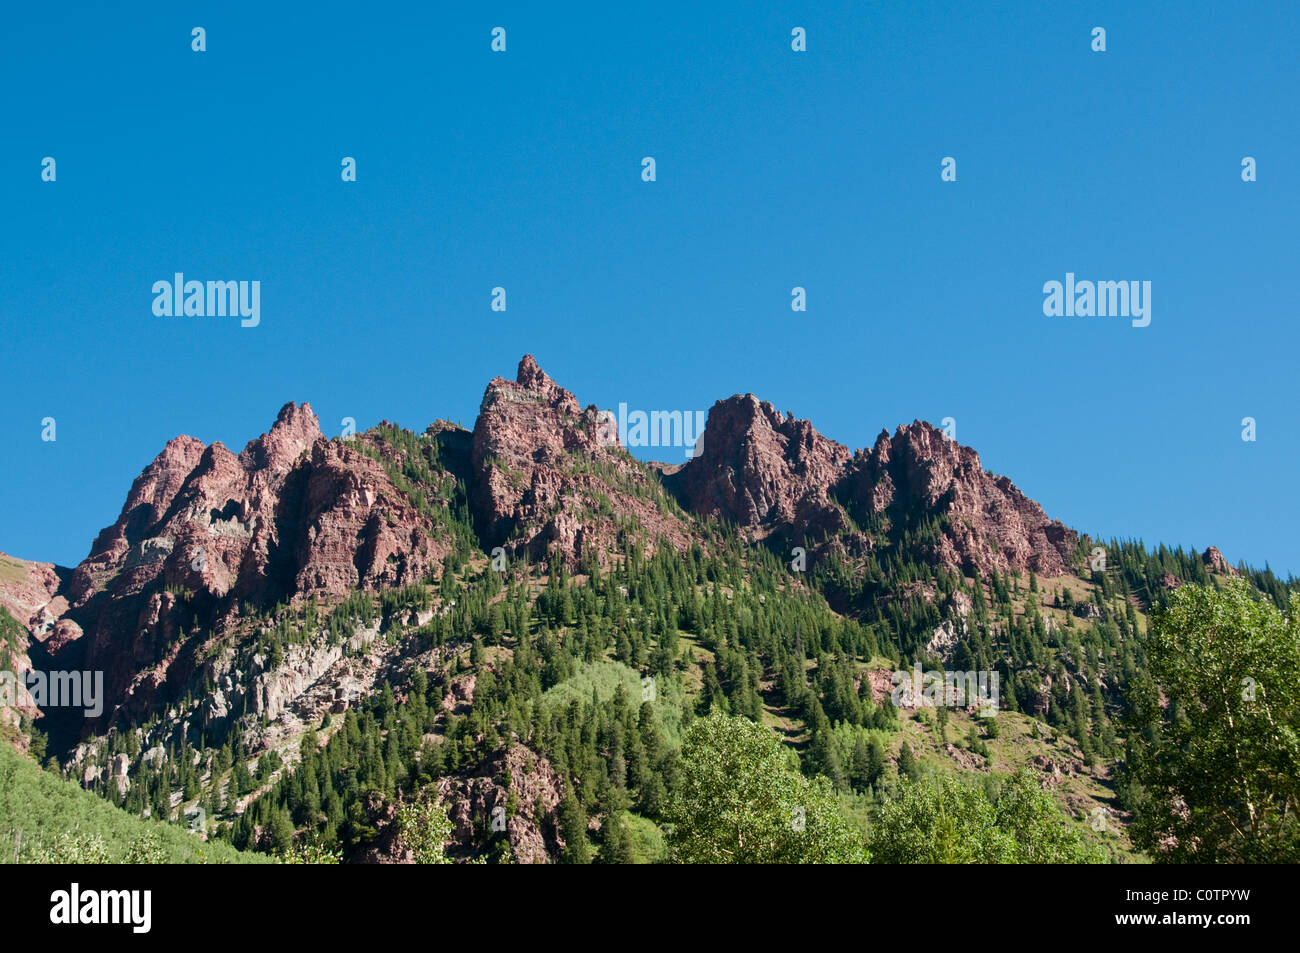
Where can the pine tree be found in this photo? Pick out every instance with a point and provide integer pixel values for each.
(615, 841)
(281, 832)
(875, 761)
(907, 766)
(573, 828)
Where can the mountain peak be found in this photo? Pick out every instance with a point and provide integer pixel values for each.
(530, 375)
(295, 430)
(533, 483)
(992, 525)
(760, 469)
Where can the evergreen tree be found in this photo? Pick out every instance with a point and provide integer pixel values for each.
(573, 829)
(907, 766)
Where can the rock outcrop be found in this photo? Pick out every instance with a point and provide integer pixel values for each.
(480, 806)
(205, 532)
(772, 474)
(989, 524)
(30, 592)
(207, 535)
(1216, 563)
(543, 480)
(763, 471)
(31, 595)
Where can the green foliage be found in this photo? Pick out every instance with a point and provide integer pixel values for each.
(949, 820)
(148, 848)
(738, 802)
(312, 853)
(68, 847)
(1215, 776)
(46, 819)
(615, 840)
(424, 829)
(414, 465)
(907, 765)
(602, 680)
(13, 640)
(559, 655)
(647, 841)
(573, 830)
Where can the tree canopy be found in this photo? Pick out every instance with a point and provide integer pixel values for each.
(1216, 770)
(949, 820)
(739, 802)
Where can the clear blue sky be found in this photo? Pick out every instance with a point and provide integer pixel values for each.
(775, 169)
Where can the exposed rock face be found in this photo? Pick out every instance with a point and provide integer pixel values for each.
(763, 472)
(1215, 563)
(768, 473)
(945, 638)
(146, 505)
(27, 590)
(204, 530)
(357, 529)
(30, 593)
(460, 693)
(541, 476)
(882, 685)
(991, 524)
(477, 805)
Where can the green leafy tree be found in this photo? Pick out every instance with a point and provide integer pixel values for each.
(1216, 774)
(70, 847)
(738, 801)
(312, 853)
(424, 829)
(948, 820)
(1040, 831)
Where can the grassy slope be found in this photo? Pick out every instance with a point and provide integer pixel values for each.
(42, 807)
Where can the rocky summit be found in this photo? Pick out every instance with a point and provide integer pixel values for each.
(543, 482)
(989, 524)
(774, 474)
(207, 535)
(508, 632)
